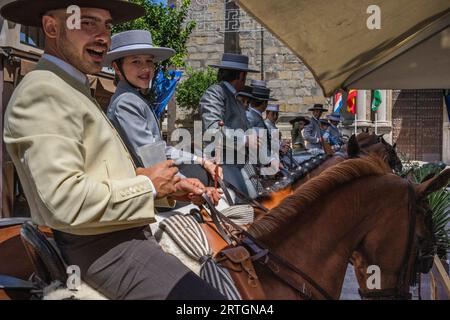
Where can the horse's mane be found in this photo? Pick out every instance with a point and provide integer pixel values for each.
(317, 188)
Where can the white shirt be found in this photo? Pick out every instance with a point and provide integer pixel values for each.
(256, 110)
(68, 68)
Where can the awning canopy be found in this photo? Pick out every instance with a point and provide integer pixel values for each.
(411, 50)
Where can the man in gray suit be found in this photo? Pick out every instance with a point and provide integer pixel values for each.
(272, 112)
(258, 105)
(312, 133)
(222, 113)
(267, 160)
(335, 134)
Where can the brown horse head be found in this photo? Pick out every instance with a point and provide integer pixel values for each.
(365, 143)
(359, 206)
(420, 251)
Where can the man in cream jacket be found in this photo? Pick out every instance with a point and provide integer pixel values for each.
(77, 174)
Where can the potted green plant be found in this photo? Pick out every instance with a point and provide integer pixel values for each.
(191, 90)
(439, 203)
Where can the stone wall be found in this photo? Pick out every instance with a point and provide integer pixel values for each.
(291, 82)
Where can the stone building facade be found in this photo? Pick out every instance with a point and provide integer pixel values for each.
(222, 26)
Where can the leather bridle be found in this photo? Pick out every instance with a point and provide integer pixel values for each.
(401, 290)
(282, 269)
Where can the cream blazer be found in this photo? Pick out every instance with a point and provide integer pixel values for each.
(77, 174)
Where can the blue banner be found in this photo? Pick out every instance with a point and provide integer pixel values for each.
(165, 88)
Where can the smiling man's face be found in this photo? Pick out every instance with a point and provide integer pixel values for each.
(85, 47)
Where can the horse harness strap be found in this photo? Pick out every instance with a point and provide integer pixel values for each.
(264, 256)
(225, 191)
(217, 223)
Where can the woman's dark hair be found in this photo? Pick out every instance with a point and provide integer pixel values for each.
(228, 75)
(119, 63)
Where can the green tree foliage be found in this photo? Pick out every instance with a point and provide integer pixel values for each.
(167, 26)
(190, 91)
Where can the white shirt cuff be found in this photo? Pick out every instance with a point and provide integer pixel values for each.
(153, 188)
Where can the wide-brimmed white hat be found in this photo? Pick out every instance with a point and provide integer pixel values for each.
(135, 42)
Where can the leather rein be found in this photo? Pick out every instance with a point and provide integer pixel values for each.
(264, 256)
(273, 262)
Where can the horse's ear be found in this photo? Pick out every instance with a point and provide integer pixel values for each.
(433, 184)
(353, 149)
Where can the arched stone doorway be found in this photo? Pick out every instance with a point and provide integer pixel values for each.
(417, 119)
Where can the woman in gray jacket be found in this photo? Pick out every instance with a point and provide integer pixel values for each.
(133, 58)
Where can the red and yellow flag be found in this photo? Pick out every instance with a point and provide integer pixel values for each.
(351, 101)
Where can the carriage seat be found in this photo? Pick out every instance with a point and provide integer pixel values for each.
(11, 222)
(45, 257)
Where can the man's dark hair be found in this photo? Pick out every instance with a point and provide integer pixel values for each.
(257, 103)
(228, 75)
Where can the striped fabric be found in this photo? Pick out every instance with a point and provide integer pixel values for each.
(240, 214)
(188, 235)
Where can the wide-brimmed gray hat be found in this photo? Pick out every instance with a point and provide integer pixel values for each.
(318, 107)
(234, 61)
(262, 94)
(258, 83)
(135, 42)
(246, 92)
(273, 108)
(335, 116)
(30, 12)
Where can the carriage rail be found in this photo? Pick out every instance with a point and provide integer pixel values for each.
(439, 281)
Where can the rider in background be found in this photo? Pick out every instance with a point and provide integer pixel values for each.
(84, 184)
(298, 142)
(336, 139)
(312, 133)
(245, 96)
(272, 112)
